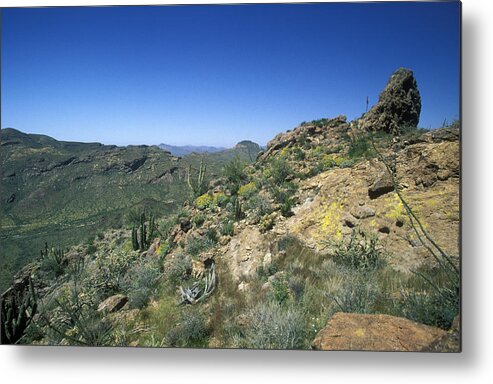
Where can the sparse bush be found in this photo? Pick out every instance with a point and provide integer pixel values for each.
(259, 205)
(140, 282)
(360, 253)
(280, 170)
(177, 268)
(227, 228)
(190, 332)
(273, 326)
(197, 245)
(347, 163)
(234, 172)
(360, 147)
(266, 223)
(280, 290)
(359, 293)
(248, 190)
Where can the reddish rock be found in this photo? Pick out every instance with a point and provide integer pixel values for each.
(362, 332)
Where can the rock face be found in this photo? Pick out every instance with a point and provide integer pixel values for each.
(398, 105)
(362, 332)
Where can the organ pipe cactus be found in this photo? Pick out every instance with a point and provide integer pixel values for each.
(198, 186)
(18, 307)
(143, 235)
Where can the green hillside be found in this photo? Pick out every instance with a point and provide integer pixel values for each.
(66, 192)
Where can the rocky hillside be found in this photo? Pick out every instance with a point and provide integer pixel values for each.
(342, 235)
(66, 192)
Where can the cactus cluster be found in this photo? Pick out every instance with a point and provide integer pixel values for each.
(198, 186)
(18, 307)
(143, 235)
(53, 259)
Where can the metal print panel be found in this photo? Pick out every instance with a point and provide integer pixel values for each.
(268, 176)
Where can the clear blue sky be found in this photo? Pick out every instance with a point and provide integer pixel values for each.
(216, 75)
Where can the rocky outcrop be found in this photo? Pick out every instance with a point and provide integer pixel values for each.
(313, 132)
(333, 203)
(399, 105)
(363, 332)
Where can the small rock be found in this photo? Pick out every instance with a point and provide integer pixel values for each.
(267, 259)
(153, 248)
(384, 229)
(363, 212)
(185, 225)
(266, 286)
(381, 186)
(113, 303)
(243, 287)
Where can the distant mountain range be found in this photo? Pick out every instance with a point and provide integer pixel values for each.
(183, 150)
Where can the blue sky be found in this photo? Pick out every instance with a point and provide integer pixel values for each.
(215, 75)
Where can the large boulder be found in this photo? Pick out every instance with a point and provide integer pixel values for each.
(363, 332)
(399, 105)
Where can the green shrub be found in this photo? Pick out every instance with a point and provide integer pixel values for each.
(110, 270)
(248, 190)
(280, 290)
(227, 228)
(286, 208)
(298, 154)
(53, 261)
(360, 252)
(280, 170)
(360, 147)
(266, 223)
(198, 220)
(234, 172)
(204, 201)
(220, 199)
(197, 245)
(431, 308)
